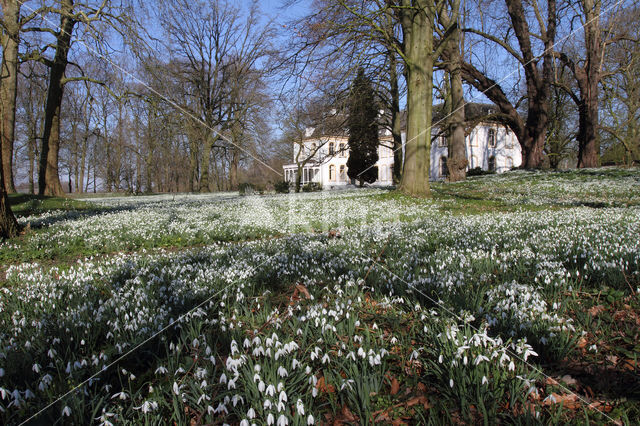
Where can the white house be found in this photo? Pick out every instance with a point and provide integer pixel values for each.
(323, 158)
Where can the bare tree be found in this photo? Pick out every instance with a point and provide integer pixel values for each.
(217, 55)
(588, 73)
(538, 79)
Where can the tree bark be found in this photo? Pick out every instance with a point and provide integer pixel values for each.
(9, 86)
(48, 176)
(8, 224)
(394, 91)
(417, 27)
(588, 140)
(457, 156)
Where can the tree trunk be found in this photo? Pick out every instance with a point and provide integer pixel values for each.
(394, 91)
(193, 165)
(204, 168)
(31, 152)
(588, 140)
(417, 27)
(233, 172)
(9, 87)
(8, 223)
(48, 176)
(457, 156)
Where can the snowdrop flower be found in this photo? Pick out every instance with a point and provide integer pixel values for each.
(271, 390)
(251, 413)
(244, 422)
(282, 397)
(176, 388)
(310, 420)
(450, 382)
(66, 411)
(223, 379)
(261, 386)
(282, 372)
(221, 408)
(325, 359)
(300, 407)
(267, 404)
(282, 420)
(270, 419)
(161, 370)
(147, 406)
(120, 395)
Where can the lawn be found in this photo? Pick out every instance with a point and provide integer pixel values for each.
(512, 298)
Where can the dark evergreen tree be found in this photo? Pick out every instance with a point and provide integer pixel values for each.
(363, 131)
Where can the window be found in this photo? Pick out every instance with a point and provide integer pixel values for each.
(444, 170)
(343, 174)
(492, 164)
(442, 141)
(509, 163)
(343, 152)
(492, 138)
(332, 173)
(509, 138)
(473, 141)
(474, 162)
(332, 149)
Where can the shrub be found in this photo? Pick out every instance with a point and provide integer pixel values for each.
(245, 188)
(312, 187)
(281, 187)
(477, 171)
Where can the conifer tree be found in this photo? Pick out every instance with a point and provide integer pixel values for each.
(363, 131)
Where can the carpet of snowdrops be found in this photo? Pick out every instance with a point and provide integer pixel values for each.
(354, 306)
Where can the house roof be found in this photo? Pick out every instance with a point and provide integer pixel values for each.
(336, 124)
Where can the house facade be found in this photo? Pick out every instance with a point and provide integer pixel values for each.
(323, 159)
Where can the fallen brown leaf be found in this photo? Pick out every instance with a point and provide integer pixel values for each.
(395, 386)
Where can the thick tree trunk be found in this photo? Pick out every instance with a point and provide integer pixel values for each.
(8, 223)
(588, 140)
(48, 176)
(417, 27)
(396, 123)
(9, 87)
(457, 156)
